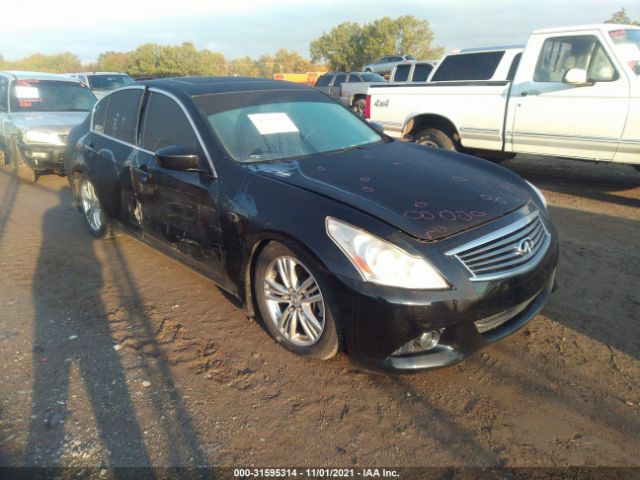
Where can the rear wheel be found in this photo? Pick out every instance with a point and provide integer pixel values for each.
(92, 210)
(294, 302)
(432, 137)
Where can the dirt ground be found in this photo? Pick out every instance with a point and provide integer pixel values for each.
(112, 354)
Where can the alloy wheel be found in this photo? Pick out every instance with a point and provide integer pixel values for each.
(91, 206)
(294, 301)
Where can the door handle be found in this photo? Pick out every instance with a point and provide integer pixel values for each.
(531, 93)
(143, 185)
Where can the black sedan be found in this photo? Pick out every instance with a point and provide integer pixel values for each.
(334, 235)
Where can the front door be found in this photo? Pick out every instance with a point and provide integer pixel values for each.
(555, 118)
(177, 209)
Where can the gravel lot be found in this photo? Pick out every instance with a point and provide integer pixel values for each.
(112, 354)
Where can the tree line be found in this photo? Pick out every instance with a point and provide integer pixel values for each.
(347, 46)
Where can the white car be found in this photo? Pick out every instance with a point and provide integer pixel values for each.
(575, 92)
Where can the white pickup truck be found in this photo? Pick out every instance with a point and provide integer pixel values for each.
(575, 92)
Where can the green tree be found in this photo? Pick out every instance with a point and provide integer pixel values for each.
(350, 45)
(112, 62)
(341, 47)
(621, 17)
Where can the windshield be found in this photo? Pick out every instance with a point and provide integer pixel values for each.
(372, 77)
(627, 46)
(50, 96)
(109, 82)
(273, 125)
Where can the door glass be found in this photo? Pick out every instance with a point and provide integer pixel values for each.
(421, 72)
(323, 81)
(602, 70)
(468, 66)
(339, 79)
(560, 54)
(402, 73)
(121, 120)
(99, 115)
(166, 124)
(3, 94)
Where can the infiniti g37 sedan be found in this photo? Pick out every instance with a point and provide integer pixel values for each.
(334, 235)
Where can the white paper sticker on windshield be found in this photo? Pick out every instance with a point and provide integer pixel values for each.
(268, 123)
(27, 92)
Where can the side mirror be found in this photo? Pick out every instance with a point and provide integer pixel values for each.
(377, 126)
(577, 77)
(177, 157)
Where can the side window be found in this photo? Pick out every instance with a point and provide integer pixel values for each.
(383, 60)
(421, 72)
(354, 78)
(560, 54)
(99, 115)
(166, 124)
(338, 80)
(402, 73)
(4, 91)
(323, 81)
(468, 66)
(121, 119)
(514, 67)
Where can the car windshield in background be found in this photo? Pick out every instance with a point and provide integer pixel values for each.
(50, 96)
(627, 44)
(278, 125)
(109, 82)
(372, 77)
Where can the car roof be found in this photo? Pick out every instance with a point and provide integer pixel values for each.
(193, 86)
(596, 26)
(97, 73)
(20, 75)
(489, 49)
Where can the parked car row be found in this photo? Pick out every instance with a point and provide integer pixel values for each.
(571, 92)
(102, 83)
(292, 204)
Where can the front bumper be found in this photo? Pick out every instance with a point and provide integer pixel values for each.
(43, 158)
(379, 320)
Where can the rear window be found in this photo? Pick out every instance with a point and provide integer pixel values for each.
(323, 81)
(468, 66)
(421, 72)
(402, 73)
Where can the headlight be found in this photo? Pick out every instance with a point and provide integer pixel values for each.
(32, 136)
(381, 262)
(539, 193)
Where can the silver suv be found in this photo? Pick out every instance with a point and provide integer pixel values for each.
(384, 65)
(37, 110)
(102, 83)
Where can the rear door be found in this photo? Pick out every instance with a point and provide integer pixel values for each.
(178, 209)
(110, 150)
(334, 91)
(555, 118)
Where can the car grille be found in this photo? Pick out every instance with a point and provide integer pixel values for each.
(509, 251)
(494, 321)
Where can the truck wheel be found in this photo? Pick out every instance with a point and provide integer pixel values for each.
(359, 107)
(432, 137)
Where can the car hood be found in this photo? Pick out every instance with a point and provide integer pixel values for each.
(427, 193)
(49, 122)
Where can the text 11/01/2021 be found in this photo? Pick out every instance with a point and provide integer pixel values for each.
(315, 473)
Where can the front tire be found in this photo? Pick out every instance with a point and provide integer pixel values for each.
(294, 302)
(435, 138)
(91, 208)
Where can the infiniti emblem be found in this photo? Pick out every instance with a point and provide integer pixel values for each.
(525, 247)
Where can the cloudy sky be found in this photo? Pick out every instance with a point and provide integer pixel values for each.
(254, 27)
